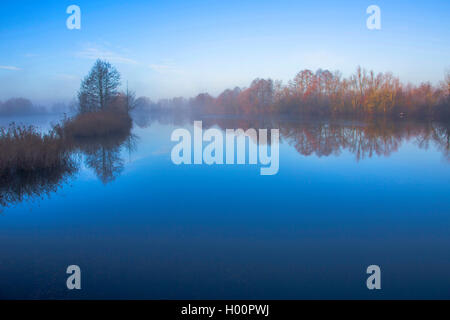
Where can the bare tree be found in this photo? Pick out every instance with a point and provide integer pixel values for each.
(99, 87)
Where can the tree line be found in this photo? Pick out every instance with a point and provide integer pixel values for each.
(20, 106)
(364, 93)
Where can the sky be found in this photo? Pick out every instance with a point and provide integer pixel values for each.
(181, 48)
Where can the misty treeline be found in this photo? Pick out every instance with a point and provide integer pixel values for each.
(364, 93)
(322, 93)
(24, 107)
(99, 92)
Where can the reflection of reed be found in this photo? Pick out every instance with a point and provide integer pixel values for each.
(33, 164)
(16, 186)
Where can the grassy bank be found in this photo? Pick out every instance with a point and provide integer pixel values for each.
(24, 148)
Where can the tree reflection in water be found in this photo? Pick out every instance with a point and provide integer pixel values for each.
(321, 138)
(102, 154)
(325, 137)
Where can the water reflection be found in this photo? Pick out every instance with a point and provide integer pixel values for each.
(364, 140)
(18, 186)
(325, 137)
(320, 138)
(101, 154)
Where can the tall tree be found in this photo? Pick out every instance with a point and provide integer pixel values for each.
(99, 87)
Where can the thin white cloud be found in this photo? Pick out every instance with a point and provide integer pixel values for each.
(10, 68)
(94, 53)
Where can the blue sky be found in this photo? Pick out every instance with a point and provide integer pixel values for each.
(181, 48)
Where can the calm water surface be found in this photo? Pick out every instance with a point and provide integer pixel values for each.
(347, 195)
